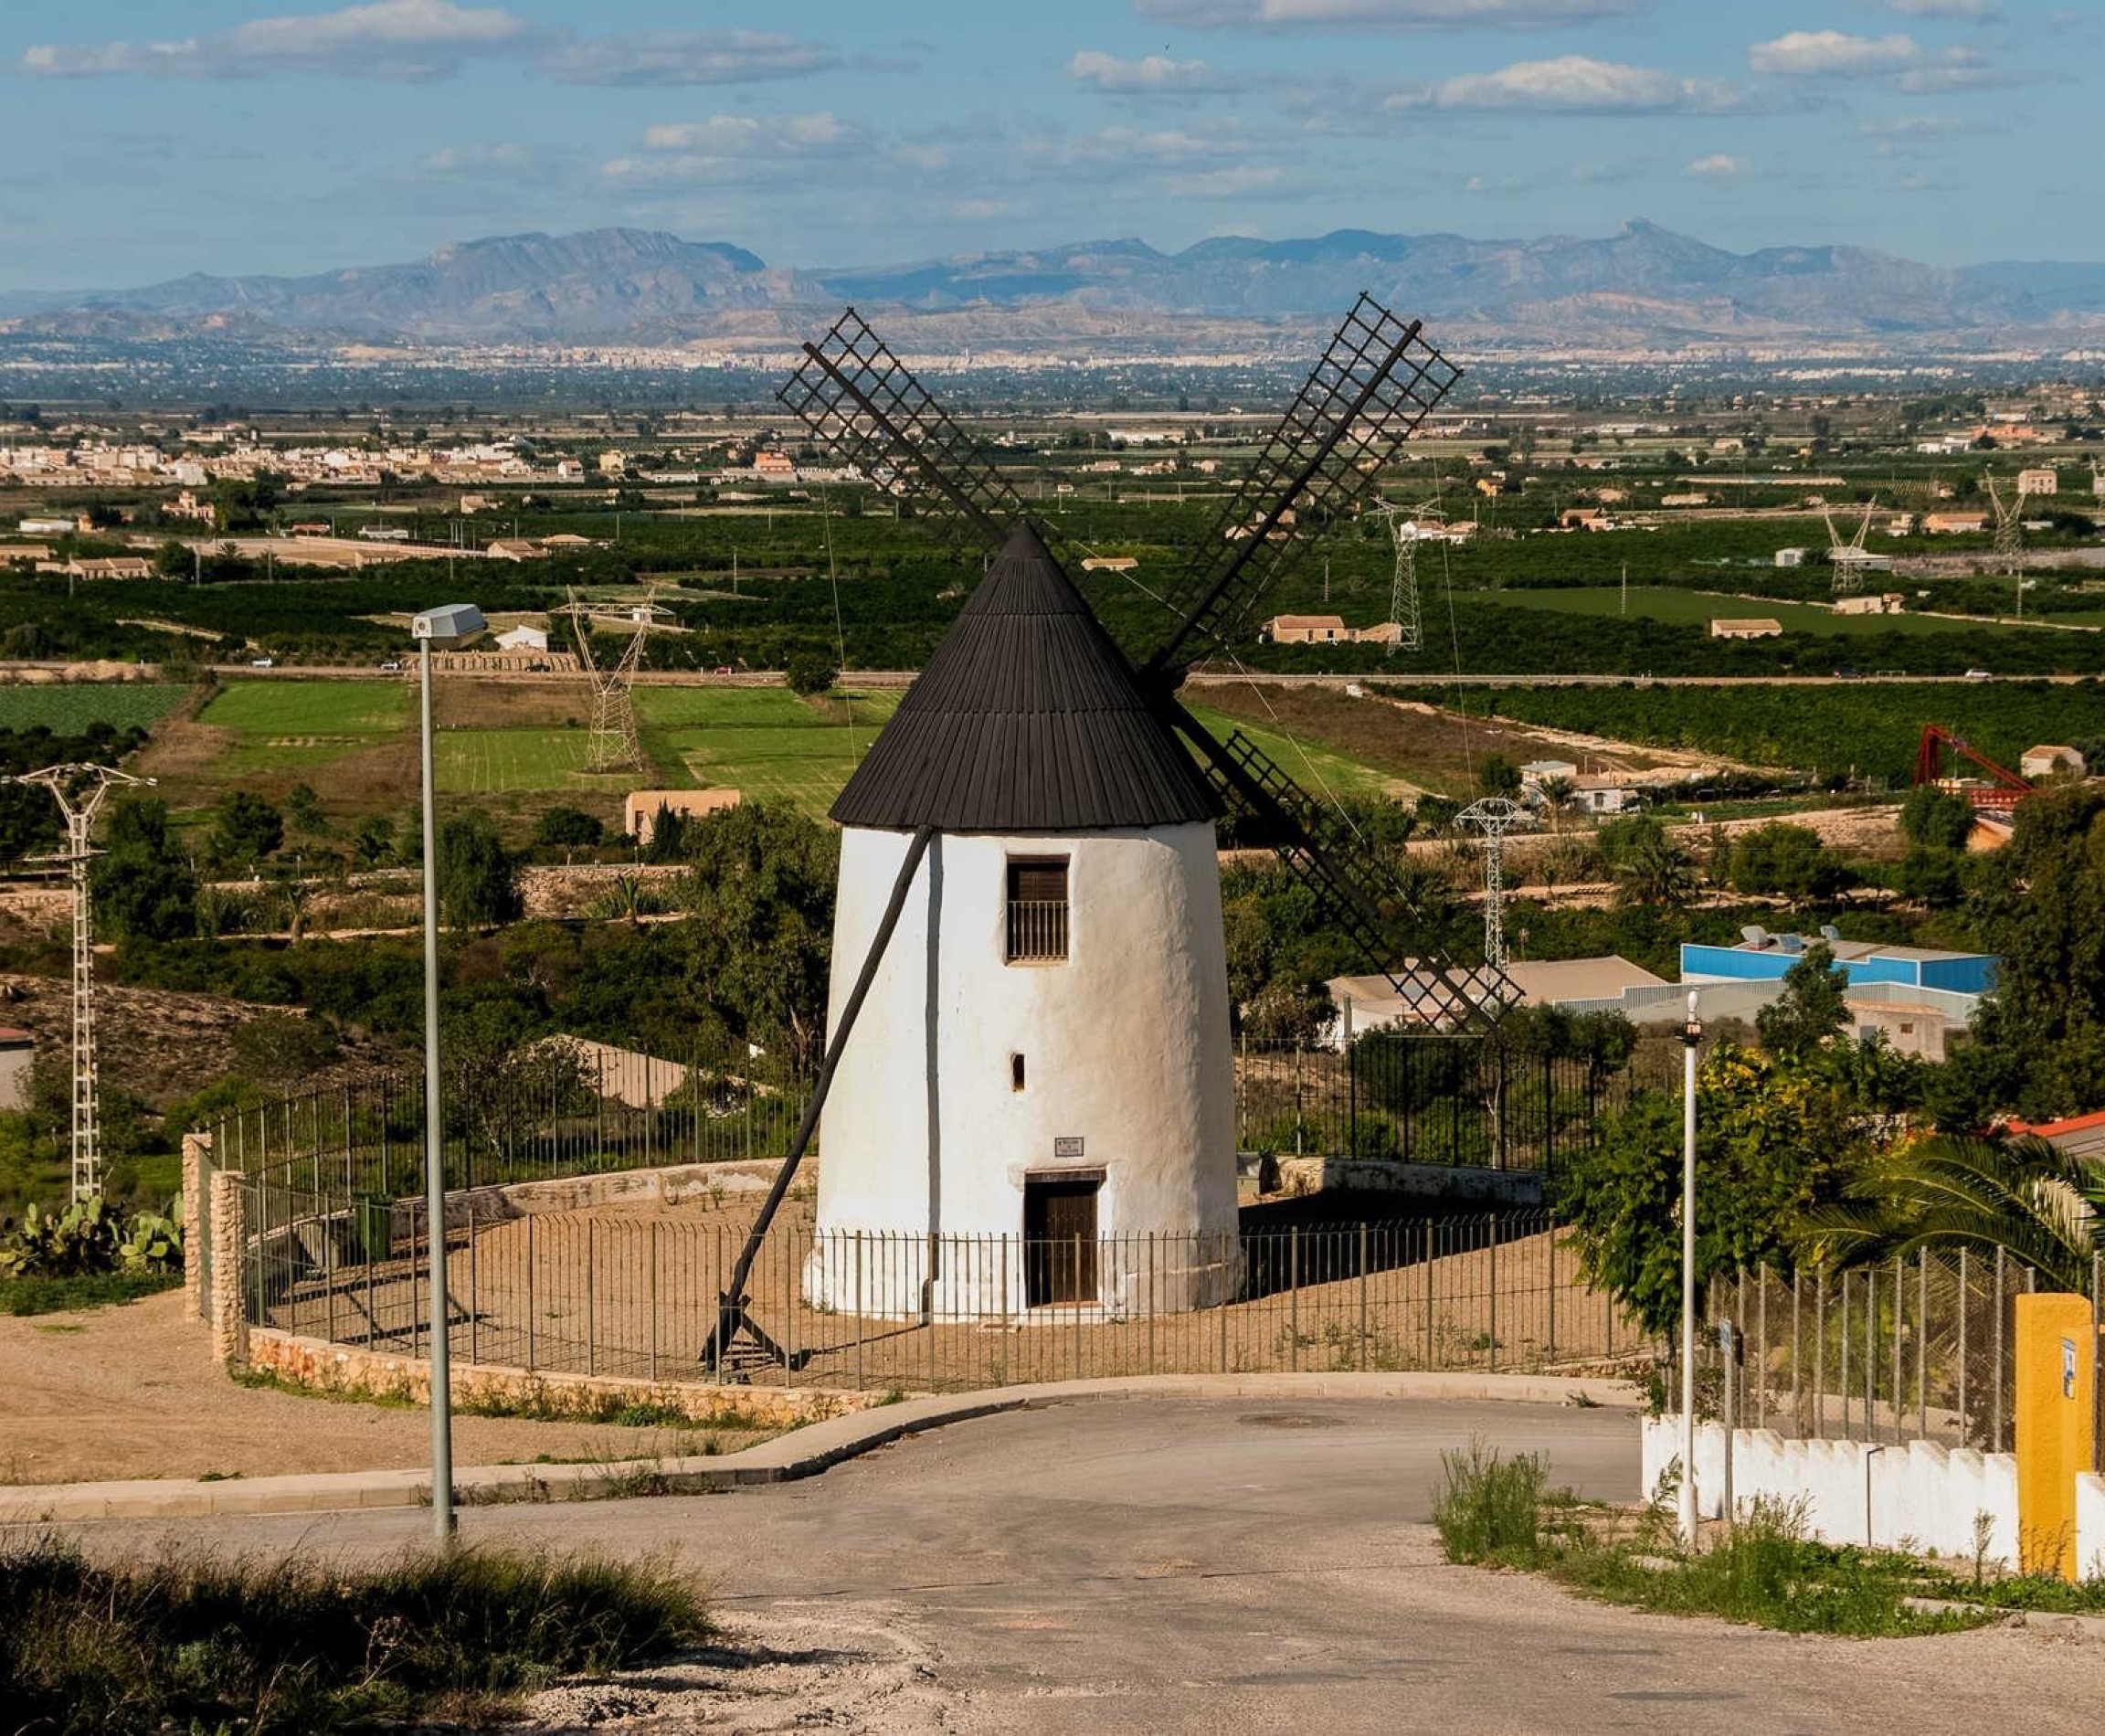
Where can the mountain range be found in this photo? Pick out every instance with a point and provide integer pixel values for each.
(1644, 287)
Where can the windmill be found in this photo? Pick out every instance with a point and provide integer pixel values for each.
(1494, 816)
(2009, 536)
(79, 791)
(1406, 527)
(1035, 826)
(1850, 559)
(613, 744)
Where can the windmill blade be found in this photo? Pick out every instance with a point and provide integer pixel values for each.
(1376, 382)
(1320, 850)
(863, 404)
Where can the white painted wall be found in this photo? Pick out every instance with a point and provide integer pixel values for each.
(1922, 1496)
(1125, 1047)
(2091, 1526)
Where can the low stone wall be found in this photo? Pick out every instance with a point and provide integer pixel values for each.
(671, 1184)
(1916, 1495)
(1415, 1181)
(323, 1367)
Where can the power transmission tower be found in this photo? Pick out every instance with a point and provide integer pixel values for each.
(79, 790)
(1494, 816)
(1848, 558)
(613, 744)
(2009, 537)
(1404, 530)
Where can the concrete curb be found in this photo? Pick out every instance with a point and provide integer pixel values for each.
(802, 1452)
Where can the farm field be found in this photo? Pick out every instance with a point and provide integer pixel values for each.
(69, 708)
(1827, 730)
(763, 741)
(1312, 765)
(298, 725)
(1654, 602)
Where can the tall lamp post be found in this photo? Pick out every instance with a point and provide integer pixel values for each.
(443, 628)
(1692, 1037)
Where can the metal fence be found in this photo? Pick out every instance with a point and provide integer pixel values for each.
(553, 1110)
(1918, 1349)
(618, 1293)
(1421, 1098)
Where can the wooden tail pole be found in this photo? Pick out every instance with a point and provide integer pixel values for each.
(731, 1313)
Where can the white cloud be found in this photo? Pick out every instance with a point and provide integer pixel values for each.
(977, 210)
(1717, 166)
(1156, 75)
(687, 57)
(741, 148)
(1818, 53)
(1576, 84)
(1225, 184)
(1422, 14)
(410, 39)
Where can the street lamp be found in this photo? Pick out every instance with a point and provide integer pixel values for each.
(454, 624)
(1692, 1037)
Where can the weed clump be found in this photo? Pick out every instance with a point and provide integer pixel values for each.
(297, 1645)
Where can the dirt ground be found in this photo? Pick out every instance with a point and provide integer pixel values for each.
(132, 1392)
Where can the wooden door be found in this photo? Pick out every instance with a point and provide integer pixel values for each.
(1060, 1239)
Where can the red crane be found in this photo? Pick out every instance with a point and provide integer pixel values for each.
(1935, 763)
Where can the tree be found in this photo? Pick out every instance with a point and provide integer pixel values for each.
(1932, 877)
(810, 673)
(761, 942)
(374, 842)
(1560, 795)
(279, 1048)
(1650, 868)
(1936, 817)
(305, 808)
(246, 829)
(477, 880)
(1788, 861)
(2031, 1199)
(141, 887)
(1499, 776)
(1810, 1009)
(569, 829)
(1775, 1140)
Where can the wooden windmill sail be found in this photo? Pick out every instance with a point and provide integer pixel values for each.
(1058, 722)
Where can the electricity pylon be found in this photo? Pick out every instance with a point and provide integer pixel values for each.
(79, 790)
(1403, 522)
(2009, 536)
(1494, 816)
(1847, 557)
(613, 744)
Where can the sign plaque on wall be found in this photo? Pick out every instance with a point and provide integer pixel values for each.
(1067, 1145)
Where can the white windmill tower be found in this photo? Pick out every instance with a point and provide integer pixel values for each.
(1028, 907)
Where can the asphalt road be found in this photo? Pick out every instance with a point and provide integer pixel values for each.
(1204, 1566)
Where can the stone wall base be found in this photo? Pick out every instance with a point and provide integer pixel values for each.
(482, 1389)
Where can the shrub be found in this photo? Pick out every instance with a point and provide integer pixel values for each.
(292, 1645)
(1489, 1508)
(89, 1237)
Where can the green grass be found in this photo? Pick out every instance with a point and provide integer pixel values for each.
(496, 761)
(292, 1644)
(103, 1289)
(1659, 603)
(1490, 1511)
(1307, 766)
(297, 725)
(763, 741)
(68, 710)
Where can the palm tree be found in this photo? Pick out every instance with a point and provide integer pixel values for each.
(1655, 871)
(1558, 795)
(296, 896)
(2039, 1204)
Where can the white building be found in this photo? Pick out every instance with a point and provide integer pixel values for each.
(522, 638)
(2043, 480)
(1042, 1073)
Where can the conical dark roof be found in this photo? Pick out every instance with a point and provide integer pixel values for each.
(1026, 719)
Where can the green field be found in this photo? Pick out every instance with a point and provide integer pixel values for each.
(1316, 769)
(298, 725)
(763, 741)
(476, 762)
(68, 710)
(1653, 602)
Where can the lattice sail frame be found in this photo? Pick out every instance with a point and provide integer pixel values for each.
(864, 403)
(1376, 382)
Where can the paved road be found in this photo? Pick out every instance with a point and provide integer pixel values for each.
(1206, 1566)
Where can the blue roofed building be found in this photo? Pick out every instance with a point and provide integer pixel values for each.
(1763, 956)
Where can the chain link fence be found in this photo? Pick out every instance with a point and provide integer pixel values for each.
(1920, 1349)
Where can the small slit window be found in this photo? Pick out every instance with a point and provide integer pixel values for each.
(1016, 1072)
(1037, 910)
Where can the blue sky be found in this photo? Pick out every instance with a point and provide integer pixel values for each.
(141, 139)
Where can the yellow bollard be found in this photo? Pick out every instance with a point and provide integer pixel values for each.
(2054, 1426)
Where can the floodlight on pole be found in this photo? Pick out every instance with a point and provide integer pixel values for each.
(443, 628)
(1691, 1039)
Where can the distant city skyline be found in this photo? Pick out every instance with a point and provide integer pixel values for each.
(147, 138)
